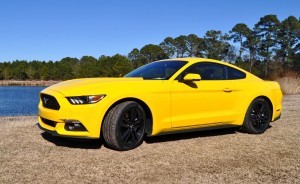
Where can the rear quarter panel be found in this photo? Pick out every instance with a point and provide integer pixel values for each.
(275, 95)
(248, 90)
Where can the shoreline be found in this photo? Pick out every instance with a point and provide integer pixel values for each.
(6, 119)
(27, 83)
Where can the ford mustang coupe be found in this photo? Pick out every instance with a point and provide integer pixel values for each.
(161, 97)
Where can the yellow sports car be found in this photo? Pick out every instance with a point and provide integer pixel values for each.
(161, 97)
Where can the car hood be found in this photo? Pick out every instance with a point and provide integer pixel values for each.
(87, 86)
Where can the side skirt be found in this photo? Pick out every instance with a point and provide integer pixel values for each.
(174, 131)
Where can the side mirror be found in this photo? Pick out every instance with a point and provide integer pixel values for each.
(192, 77)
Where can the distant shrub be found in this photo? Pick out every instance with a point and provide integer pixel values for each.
(290, 83)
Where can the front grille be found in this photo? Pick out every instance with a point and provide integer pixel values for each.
(49, 102)
(48, 122)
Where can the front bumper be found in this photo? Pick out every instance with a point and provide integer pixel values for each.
(53, 121)
(54, 133)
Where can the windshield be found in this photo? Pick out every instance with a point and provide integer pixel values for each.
(159, 70)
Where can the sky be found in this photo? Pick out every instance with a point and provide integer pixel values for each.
(53, 29)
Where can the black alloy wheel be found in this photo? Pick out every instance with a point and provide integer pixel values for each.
(132, 126)
(124, 126)
(258, 117)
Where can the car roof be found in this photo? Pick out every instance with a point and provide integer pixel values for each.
(193, 60)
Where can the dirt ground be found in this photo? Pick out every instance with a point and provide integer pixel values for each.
(27, 155)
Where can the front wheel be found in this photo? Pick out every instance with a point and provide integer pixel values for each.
(258, 117)
(124, 126)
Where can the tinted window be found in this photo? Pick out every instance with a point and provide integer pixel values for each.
(208, 71)
(159, 70)
(235, 74)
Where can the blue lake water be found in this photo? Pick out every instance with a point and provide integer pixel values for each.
(19, 100)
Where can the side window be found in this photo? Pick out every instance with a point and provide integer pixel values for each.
(235, 74)
(208, 71)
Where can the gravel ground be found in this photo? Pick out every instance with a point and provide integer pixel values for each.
(27, 155)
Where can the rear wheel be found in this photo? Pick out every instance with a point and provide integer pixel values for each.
(124, 126)
(258, 117)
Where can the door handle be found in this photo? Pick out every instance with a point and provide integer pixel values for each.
(227, 90)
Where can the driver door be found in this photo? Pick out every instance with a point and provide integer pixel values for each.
(208, 101)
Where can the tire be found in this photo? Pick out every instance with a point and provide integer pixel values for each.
(124, 126)
(258, 117)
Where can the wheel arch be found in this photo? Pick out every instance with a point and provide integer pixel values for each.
(267, 100)
(149, 117)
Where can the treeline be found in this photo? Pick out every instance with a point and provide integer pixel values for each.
(67, 68)
(269, 49)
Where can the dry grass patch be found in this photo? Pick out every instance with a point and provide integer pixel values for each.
(290, 83)
(27, 155)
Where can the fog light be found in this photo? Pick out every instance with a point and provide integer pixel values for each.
(74, 125)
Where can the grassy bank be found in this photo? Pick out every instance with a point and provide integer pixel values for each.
(26, 83)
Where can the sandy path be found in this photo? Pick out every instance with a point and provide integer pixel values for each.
(222, 156)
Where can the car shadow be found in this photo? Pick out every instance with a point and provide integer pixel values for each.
(98, 143)
(73, 142)
(191, 135)
(195, 134)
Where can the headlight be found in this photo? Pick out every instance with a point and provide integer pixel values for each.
(80, 100)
